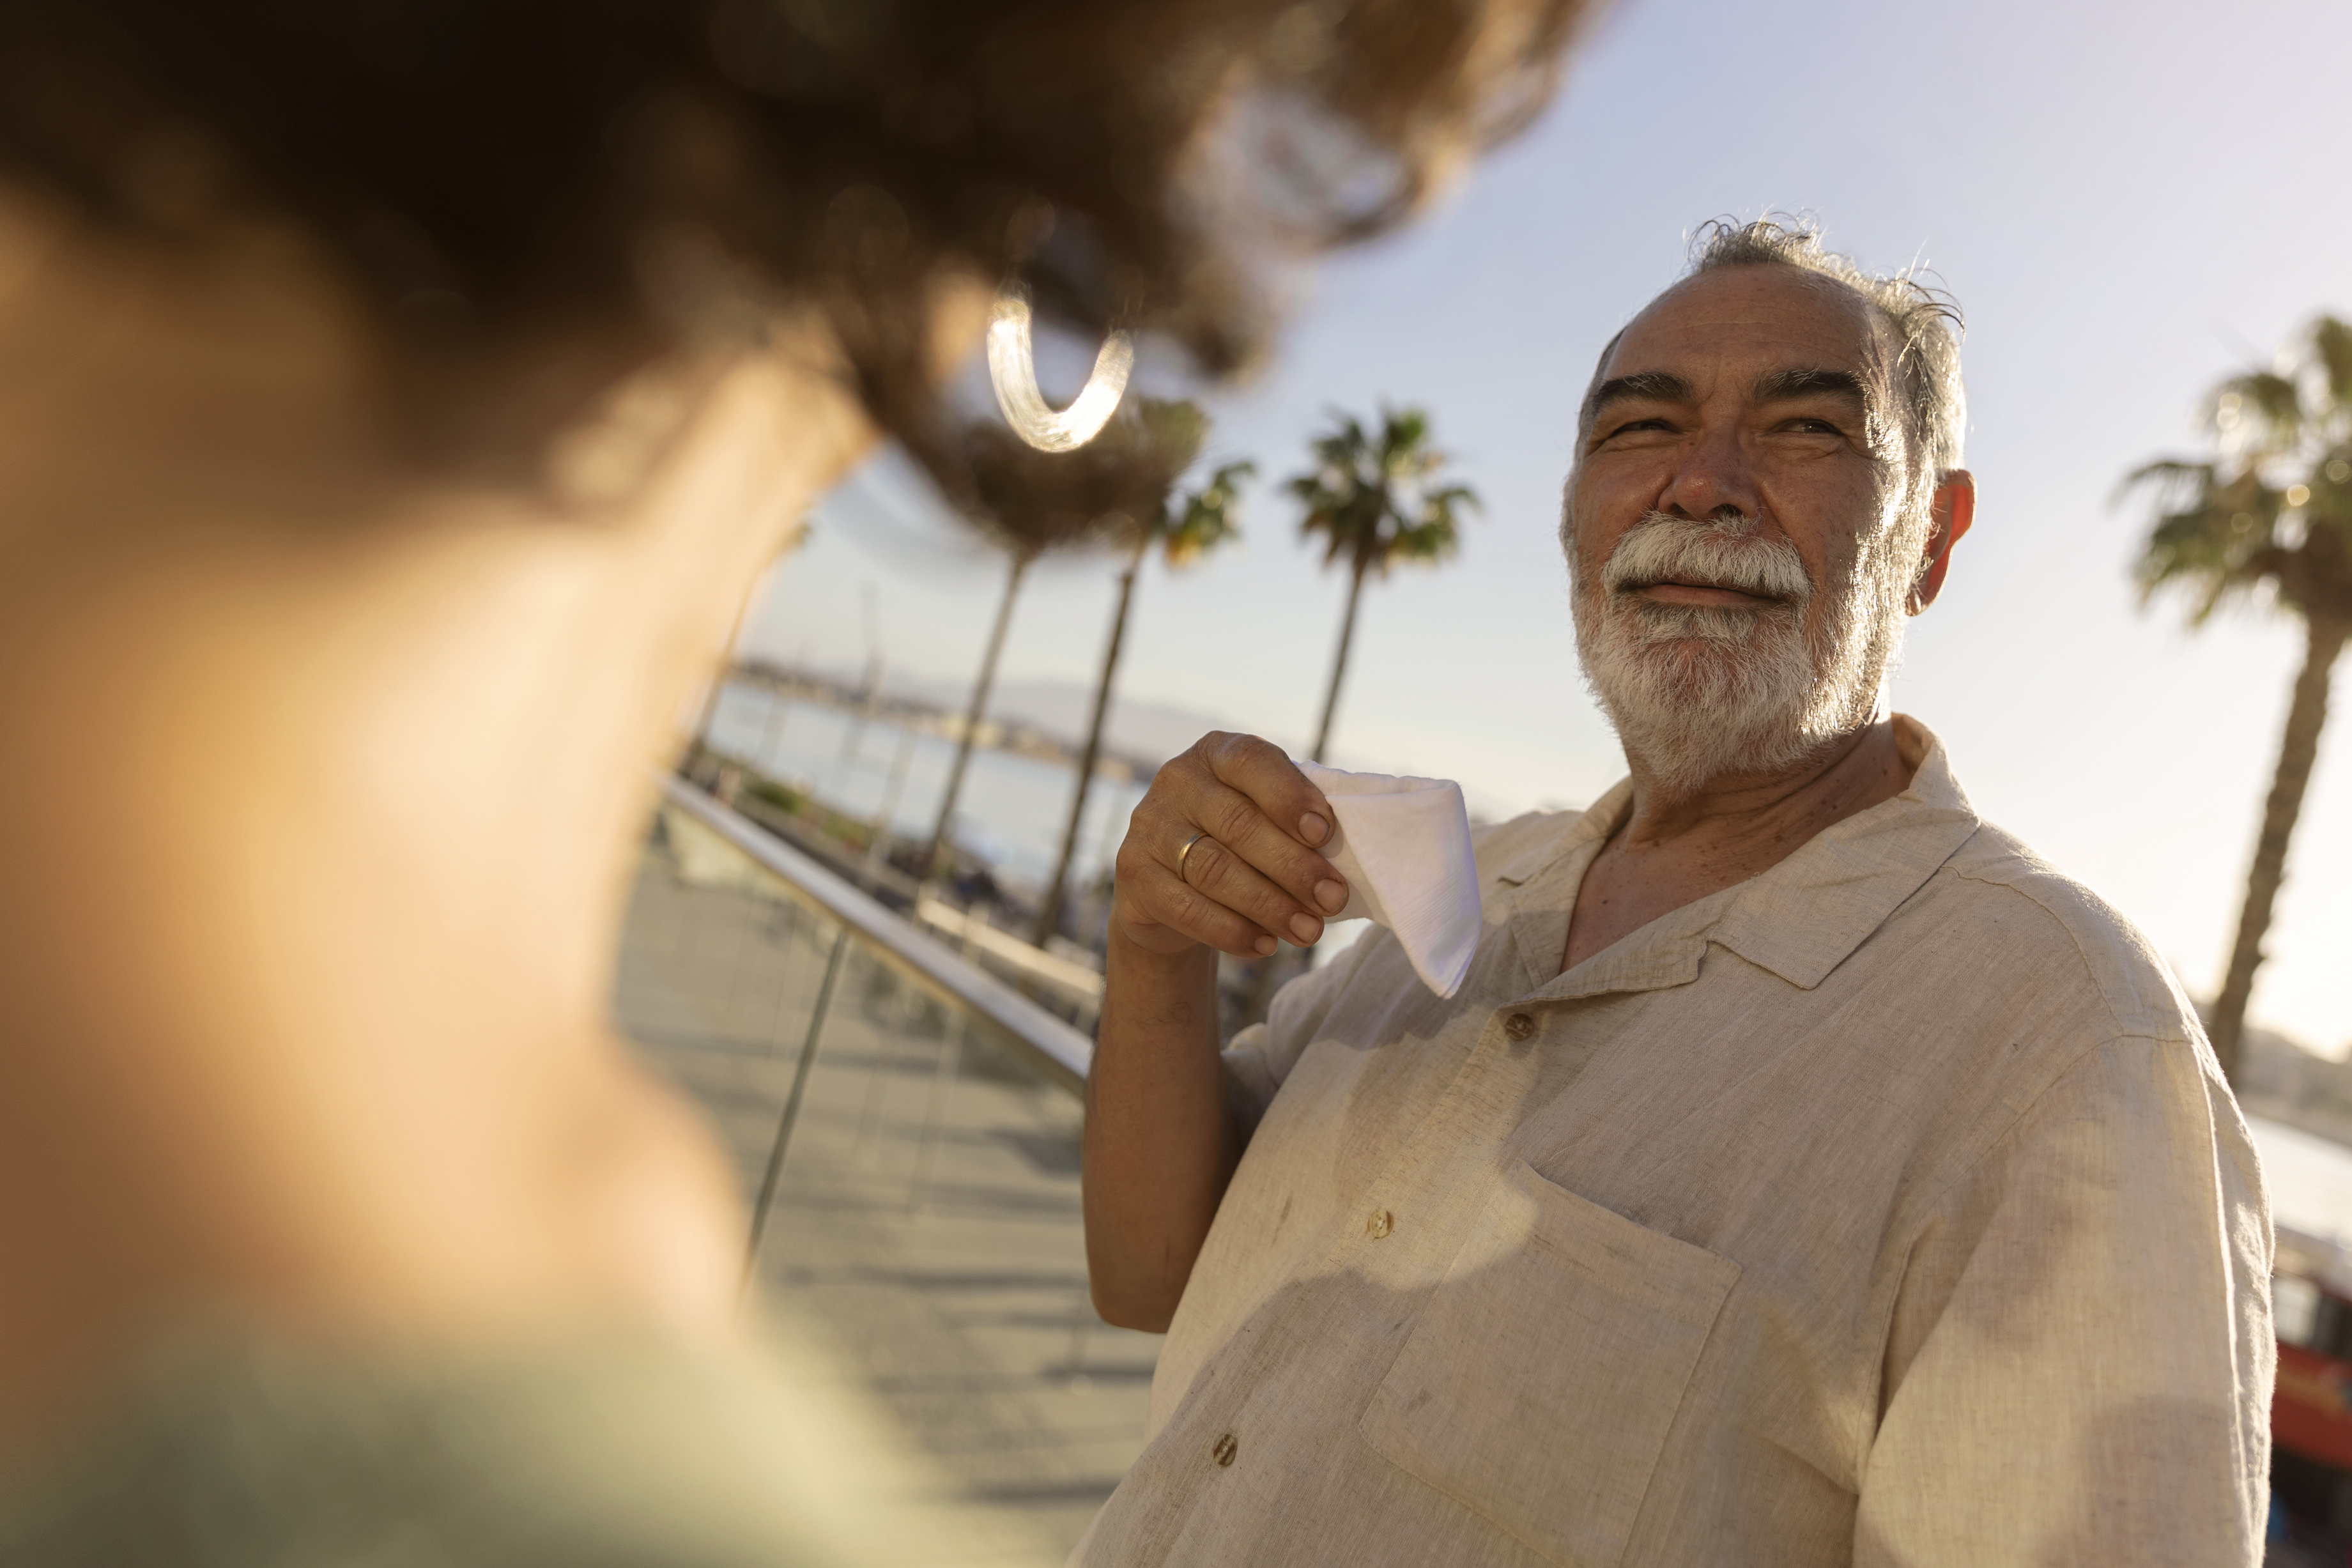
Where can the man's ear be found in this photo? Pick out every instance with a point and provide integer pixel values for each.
(1953, 509)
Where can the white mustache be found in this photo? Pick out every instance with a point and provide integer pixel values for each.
(1662, 547)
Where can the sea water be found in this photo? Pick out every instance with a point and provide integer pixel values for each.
(1012, 811)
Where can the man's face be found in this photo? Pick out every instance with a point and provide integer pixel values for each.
(1735, 524)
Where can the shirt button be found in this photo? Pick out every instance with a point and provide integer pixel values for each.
(1518, 1026)
(1381, 1223)
(1223, 1450)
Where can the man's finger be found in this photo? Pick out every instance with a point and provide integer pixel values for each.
(1237, 822)
(1215, 870)
(1151, 899)
(1249, 875)
(1258, 769)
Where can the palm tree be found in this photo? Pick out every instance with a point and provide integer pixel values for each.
(2271, 510)
(1185, 527)
(1031, 503)
(1022, 555)
(1372, 501)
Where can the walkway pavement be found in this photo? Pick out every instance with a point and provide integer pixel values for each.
(927, 1223)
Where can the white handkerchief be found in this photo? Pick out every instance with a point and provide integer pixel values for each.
(1405, 846)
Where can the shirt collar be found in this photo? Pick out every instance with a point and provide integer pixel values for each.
(1593, 826)
(1800, 918)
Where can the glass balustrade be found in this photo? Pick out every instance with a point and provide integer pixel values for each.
(905, 1128)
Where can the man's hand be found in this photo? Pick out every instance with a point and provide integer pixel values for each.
(1162, 1141)
(1253, 878)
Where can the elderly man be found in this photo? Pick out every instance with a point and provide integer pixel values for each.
(1805, 1173)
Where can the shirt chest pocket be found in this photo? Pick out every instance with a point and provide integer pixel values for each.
(1539, 1383)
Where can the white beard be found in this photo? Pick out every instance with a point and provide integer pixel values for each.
(1698, 692)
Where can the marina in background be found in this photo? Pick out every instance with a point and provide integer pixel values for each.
(883, 759)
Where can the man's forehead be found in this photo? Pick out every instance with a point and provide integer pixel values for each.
(1752, 319)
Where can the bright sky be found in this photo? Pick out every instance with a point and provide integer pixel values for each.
(2130, 198)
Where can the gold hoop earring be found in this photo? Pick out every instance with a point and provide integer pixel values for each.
(1013, 371)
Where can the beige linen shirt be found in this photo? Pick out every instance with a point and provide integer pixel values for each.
(1886, 1208)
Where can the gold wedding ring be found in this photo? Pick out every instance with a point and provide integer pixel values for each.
(1181, 854)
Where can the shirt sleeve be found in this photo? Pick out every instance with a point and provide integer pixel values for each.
(1260, 1058)
(2079, 1361)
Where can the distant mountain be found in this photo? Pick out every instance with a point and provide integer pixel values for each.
(1149, 732)
(1153, 732)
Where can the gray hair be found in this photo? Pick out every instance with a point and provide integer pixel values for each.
(1924, 323)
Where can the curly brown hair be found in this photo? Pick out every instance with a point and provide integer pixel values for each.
(486, 172)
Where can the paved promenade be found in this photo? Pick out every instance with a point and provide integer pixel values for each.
(927, 1223)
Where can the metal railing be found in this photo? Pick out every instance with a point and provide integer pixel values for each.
(1077, 986)
(904, 1123)
(1054, 1050)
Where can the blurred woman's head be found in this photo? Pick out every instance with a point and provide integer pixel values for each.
(398, 400)
(522, 199)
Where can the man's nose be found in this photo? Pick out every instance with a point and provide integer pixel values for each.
(1713, 483)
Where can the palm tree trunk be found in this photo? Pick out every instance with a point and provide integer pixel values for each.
(1049, 912)
(1277, 967)
(979, 688)
(2306, 715)
(1339, 665)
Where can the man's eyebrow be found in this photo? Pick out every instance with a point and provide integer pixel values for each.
(1649, 385)
(1782, 385)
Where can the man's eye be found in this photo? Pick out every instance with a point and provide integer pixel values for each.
(1634, 426)
(1809, 425)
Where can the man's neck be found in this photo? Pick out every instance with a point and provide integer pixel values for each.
(1749, 812)
(1676, 847)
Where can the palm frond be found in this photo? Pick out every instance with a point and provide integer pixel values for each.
(1452, 495)
(1207, 520)
(2172, 480)
(2331, 345)
(1404, 442)
(1426, 544)
(2273, 500)
(1366, 496)
(1174, 427)
(2213, 552)
(2272, 401)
